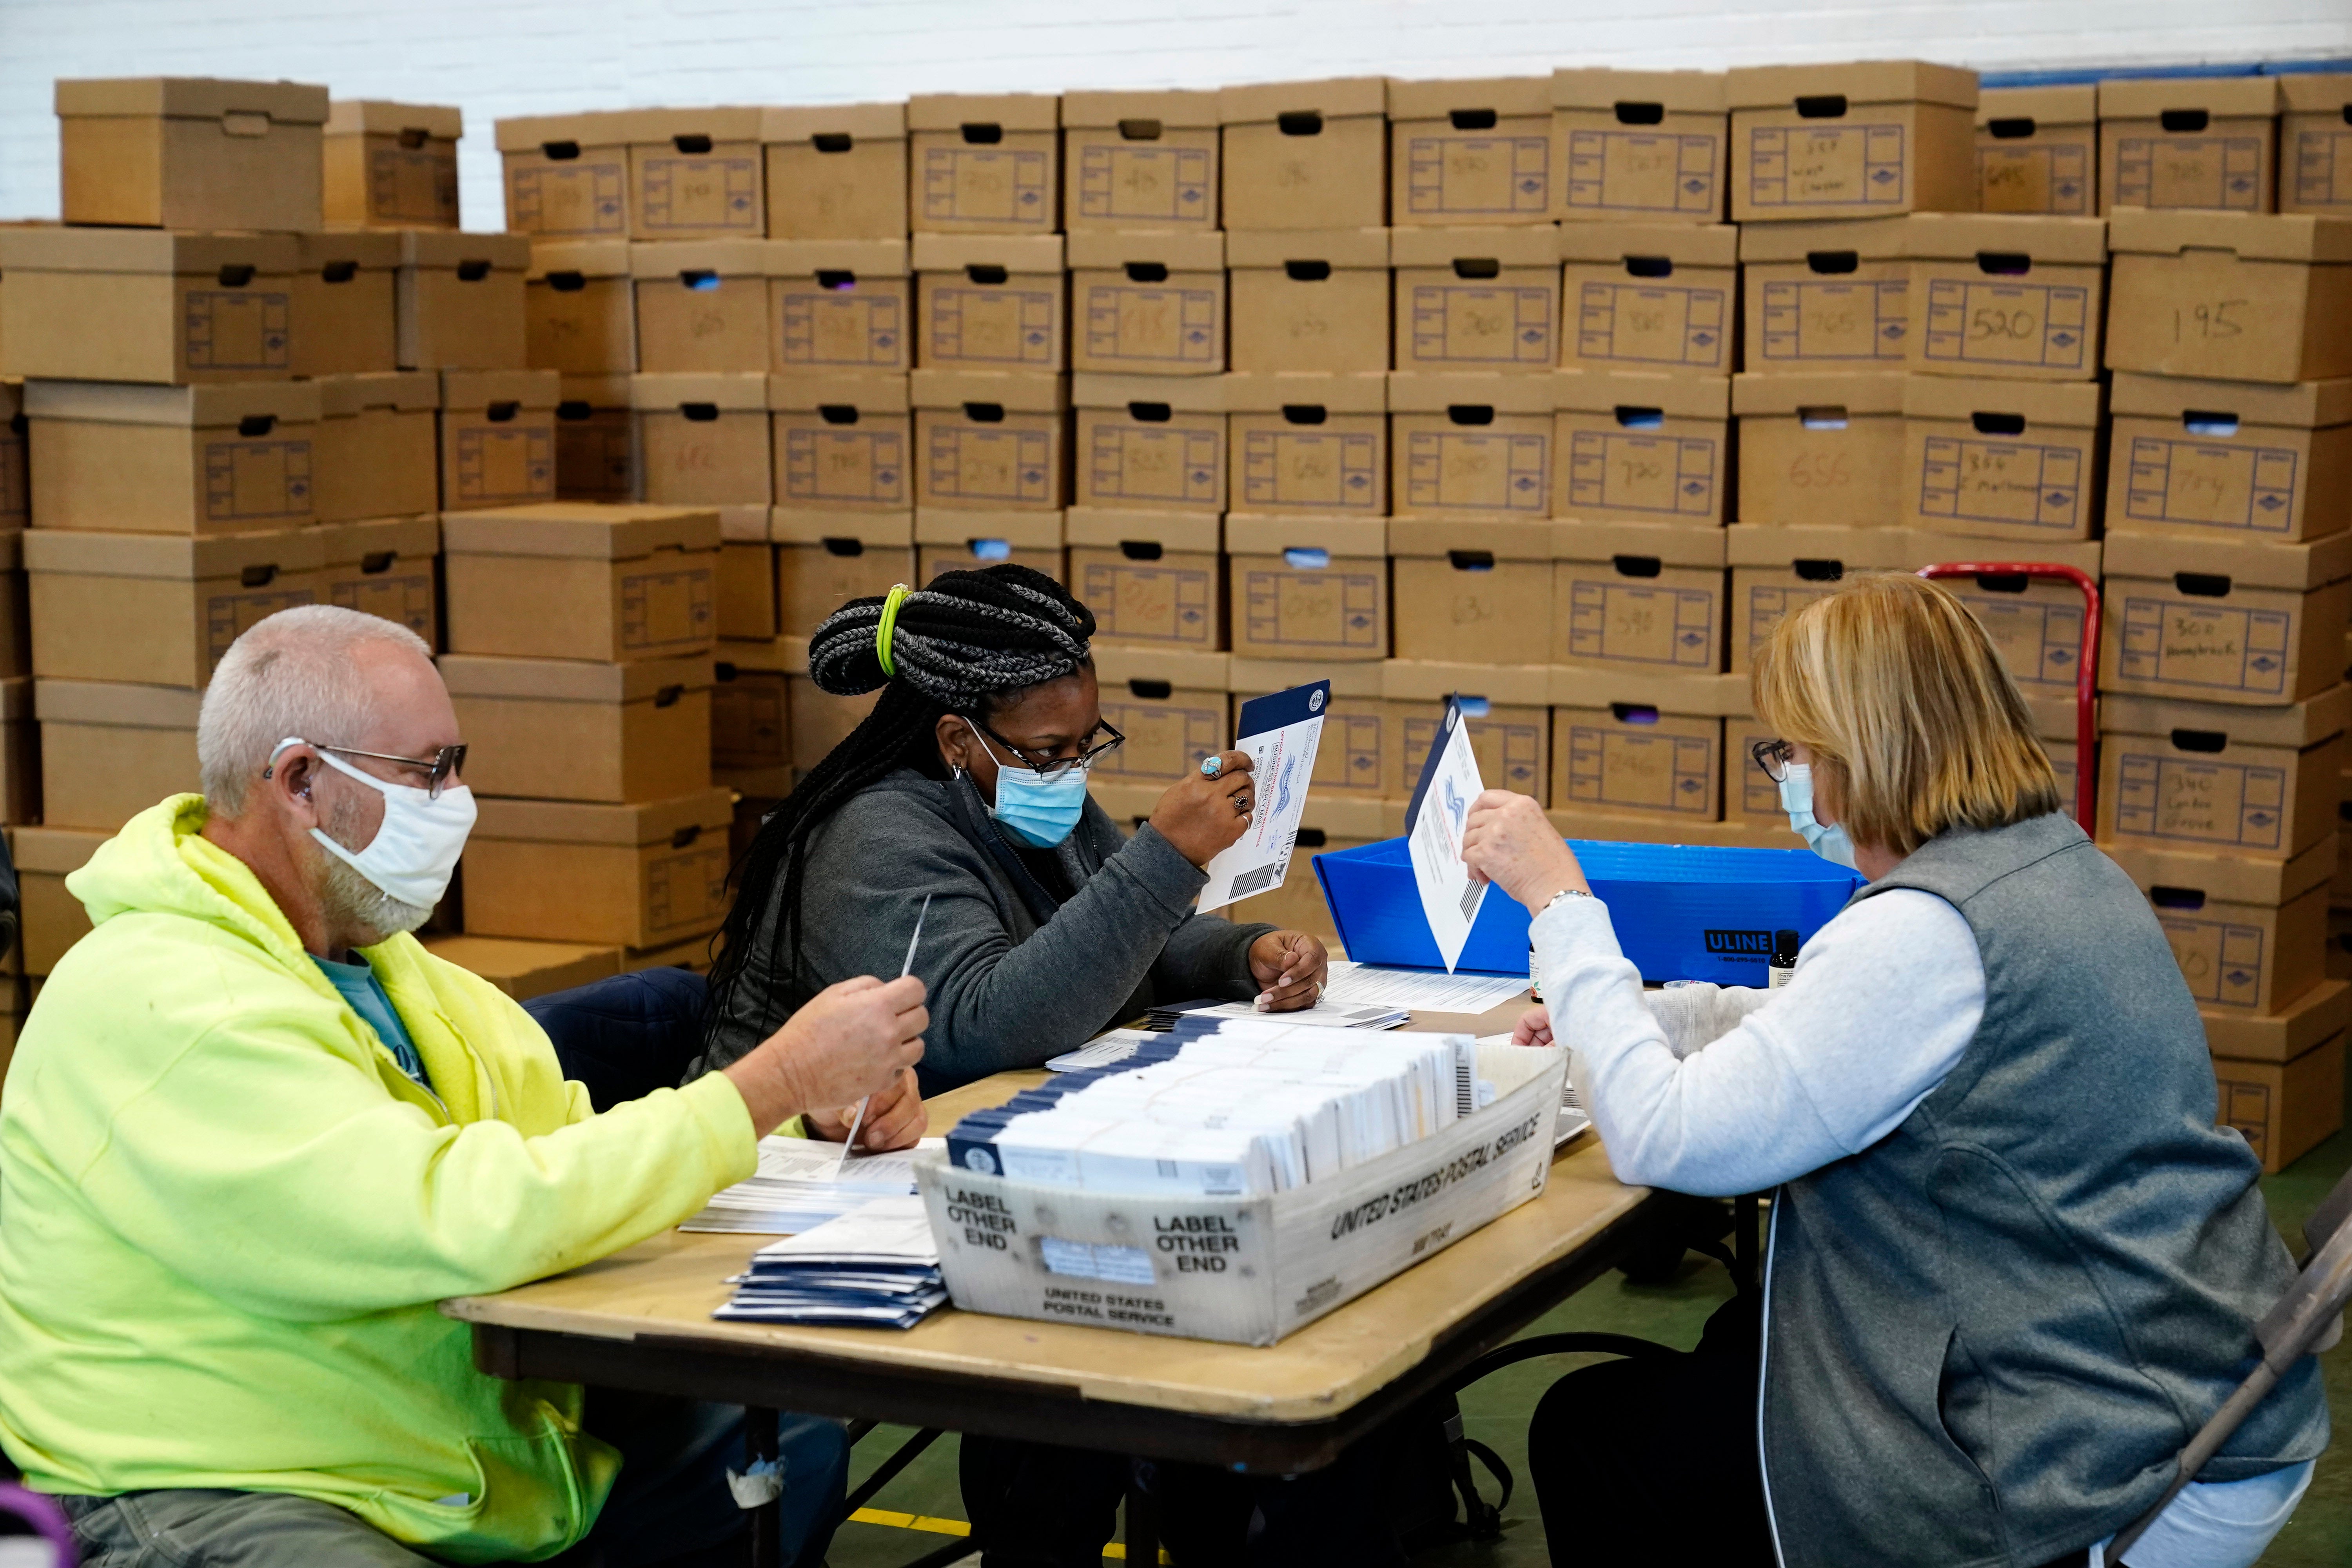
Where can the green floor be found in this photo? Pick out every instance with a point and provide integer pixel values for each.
(1497, 1411)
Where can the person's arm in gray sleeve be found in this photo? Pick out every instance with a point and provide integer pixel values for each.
(1206, 956)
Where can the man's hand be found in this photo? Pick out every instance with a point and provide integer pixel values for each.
(1509, 841)
(895, 1119)
(1535, 1027)
(1290, 968)
(1199, 814)
(848, 1041)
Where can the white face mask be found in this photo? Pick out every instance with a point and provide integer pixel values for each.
(1829, 842)
(417, 845)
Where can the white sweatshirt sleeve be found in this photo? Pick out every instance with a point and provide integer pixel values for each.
(1885, 999)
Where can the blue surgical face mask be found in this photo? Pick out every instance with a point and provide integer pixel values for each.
(1040, 811)
(1797, 799)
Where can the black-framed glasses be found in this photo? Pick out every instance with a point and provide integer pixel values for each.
(1773, 757)
(1090, 751)
(438, 769)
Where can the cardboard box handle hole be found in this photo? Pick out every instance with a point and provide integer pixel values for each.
(833, 142)
(722, 671)
(1649, 267)
(1471, 560)
(1637, 565)
(244, 123)
(18, 424)
(985, 413)
(1147, 272)
(1306, 271)
(700, 413)
(835, 545)
(1633, 713)
(1142, 549)
(1305, 414)
(1477, 266)
(990, 549)
(1471, 118)
(339, 271)
(2203, 584)
(1139, 130)
(411, 137)
(837, 412)
(982, 133)
(257, 576)
(685, 835)
(1305, 558)
(2015, 129)
(691, 141)
(1833, 262)
(473, 271)
(1309, 122)
(572, 408)
(1829, 417)
(1150, 412)
(2002, 582)
(1153, 690)
(1632, 419)
(235, 275)
(502, 413)
(2207, 741)
(2164, 898)
(560, 151)
(2208, 422)
(376, 563)
(2004, 263)
(256, 424)
(1310, 837)
(1998, 424)
(989, 275)
(1470, 413)
(1821, 106)
(1817, 570)
(701, 280)
(1641, 114)
(667, 696)
(836, 278)
(2180, 119)
(567, 282)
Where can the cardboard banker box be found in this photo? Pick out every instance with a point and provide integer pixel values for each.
(2005, 295)
(1471, 151)
(702, 441)
(1304, 588)
(342, 315)
(984, 165)
(2250, 935)
(2316, 143)
(1309, 300)
(1642, 744)
(2038, 150)
(990, 440)
(110, 751)
(576, 730)
(1476, 299)
(2220, 779)
(52, 919)
(1505, 706)
(1472, 592)
(124, 304)
(385, 567)
(579, 316)
(641, 875)
(1775, 570)
(154, 610)
(960, 539)
(190, 153)
(1170, 704)
(2217, 621)
(836, 172)
(825, 559)
(228, 458)
(836, 305)
(1148, 303)
(2219, 459)
(2000, 459)
(498, 438)
(1820, 450)
(2198, 142)
(695, 174)
(1641, 447)
(596, 439)
(1309, 443)
(1470, 446)
(1155, 442)
(460, 300)
(841, 442)
(1826, 296)
(1638, 595)
(751, 730)
(746, 582)
(391, 165)
(1644, 145)
(1648, 296)
(1140, 160)
(2230, 296)
(2035, 622)
(991, 303)
(567, 175)
(1306, 154)
(1152, 578)
(700, 306)
(576, 580)
(1851, 141)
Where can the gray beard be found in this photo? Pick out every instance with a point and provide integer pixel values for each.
(351, 901)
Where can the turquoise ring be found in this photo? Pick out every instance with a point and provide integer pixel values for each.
(1211, 766)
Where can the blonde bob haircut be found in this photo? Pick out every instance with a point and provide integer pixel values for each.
(1913, 720)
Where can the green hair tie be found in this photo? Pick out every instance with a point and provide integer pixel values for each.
(890, 603)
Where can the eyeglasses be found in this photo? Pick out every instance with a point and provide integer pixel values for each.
(438, 769)
(1053, 767)
(1773, 757)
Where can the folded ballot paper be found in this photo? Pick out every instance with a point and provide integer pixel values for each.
(874, 1267)
(797, 1188)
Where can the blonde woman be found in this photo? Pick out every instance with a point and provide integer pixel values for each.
(2013, 1265)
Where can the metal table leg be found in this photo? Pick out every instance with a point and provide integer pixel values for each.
(1142, 1525)
(768, 1518)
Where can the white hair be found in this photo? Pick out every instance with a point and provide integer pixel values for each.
(289, 675)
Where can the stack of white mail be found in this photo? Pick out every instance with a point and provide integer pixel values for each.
(874, 1267)
(802, 1184)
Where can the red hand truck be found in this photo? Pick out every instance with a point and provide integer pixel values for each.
(2086, 670)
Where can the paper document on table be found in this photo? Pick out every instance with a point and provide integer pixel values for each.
(1418, 990)
(1280, 734)
(1432, 826)
(795, 1189)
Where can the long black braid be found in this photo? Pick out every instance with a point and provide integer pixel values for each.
(969, 643)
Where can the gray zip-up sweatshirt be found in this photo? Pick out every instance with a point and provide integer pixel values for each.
(1011, 980)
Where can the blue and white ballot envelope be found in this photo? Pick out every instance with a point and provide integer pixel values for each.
(1280, 734)
(1450, 895)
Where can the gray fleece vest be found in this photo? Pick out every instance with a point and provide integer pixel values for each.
(1990, 1334)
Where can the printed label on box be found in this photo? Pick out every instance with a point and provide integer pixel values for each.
(1516, 747)
(665, 607)
(2201, 172)
(2053, 179)
(1461, 323)
(1310, 468)
(2323, 169)
(1313, 609)
(421, 187)
(496, 463)
(2042, 324)
(229, 616)
(985, 185)
(1823, 321)
(257, 482)
(1649, 772)
(406, 597)
(1672, 475)
(1352, 754)
(2221, 960)
(1825, 166)
(2246, 1106)
(1179, 733)
(235, 329)
(973, 462)
(1151, 325)
(575, 198)
(1466, 174)
(2186, 643)
(2207, 483)
(865, 331)
(1971, 481)
(993, 326)
(1146, 185)
(1149, 603)
(1643, 323)
(844, 465)
(2041, 642)
(686, 892)
(1463, 469)
(2201, 801)
(1766, 604)
(1630, 622)
(1641, 171)
(701, 193)
(1156, 462)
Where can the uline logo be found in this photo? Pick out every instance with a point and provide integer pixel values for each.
(1739, 943)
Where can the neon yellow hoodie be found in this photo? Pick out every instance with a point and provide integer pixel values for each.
(225, 1215)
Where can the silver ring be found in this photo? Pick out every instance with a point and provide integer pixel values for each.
(1242, 806)
(1211, 766)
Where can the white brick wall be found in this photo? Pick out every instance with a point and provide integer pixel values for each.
(496, 57)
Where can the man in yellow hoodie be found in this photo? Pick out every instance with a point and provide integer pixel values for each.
(254, 1131)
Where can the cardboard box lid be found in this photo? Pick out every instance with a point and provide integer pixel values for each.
(1033, 394)
(807, 257)
(54, 851)
(1332, 98)
(1604, 686)
(2046, 240)
(439, 248)
(1433, 680)
(1183, 669)
(1858, 392)
(1338, 249)
(743, 522)
(1266, 391)
(2232, 878)
(800, 525)
(2320, 1013)
(1504, 95)
(567, 822)
(1187, 394)
(1181, 109)
(2295, 724)
(409, 391)
(588, 257)
(1867, 238)
(1174, 249)
(2076, 104)
(2315, 92)
(669, 257)
(208, 407)
(1760, 545)
(859, 122)
(1013, 110)
(1256, 677)
(868, 391)
(1684, 243)
(381, 117)
(1507, 245)
(467, 390)
(1864, 81)
(731, 391)
(595, 128)
(1022, 253)
(371, 250)
(1668, 543)
(2148, 97)
(192, 98)
(1675, 396)
(116, 704)
(37, 248)
(2297, 568)
(541, 966)
(1188, 532)
(1677, 92)
(1929, 548)
(1266, 534)
(605, 530)
(1416, 392)
(2070, 404)
(2297, 406)
(731, 124)
(572, 680)
(349, 544)
(2251, 237)
(964, 525)
(1435, 538)
(585, 393)
(170, 557)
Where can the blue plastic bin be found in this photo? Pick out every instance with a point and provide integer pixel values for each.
(1683, 912)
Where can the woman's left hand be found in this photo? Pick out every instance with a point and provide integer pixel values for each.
(1290, 967)
(1509, 841)
(895, 1119)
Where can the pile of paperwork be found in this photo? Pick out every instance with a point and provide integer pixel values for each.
(874, 1267)
(798, 1189)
